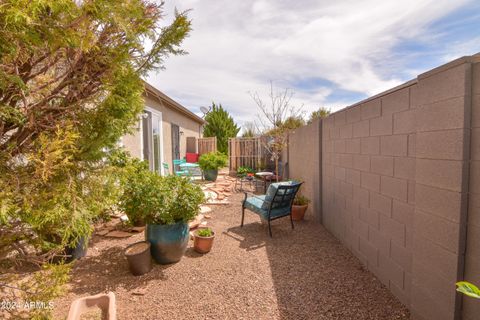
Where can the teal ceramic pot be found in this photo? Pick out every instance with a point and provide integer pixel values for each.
(210, 175)
(168, 242)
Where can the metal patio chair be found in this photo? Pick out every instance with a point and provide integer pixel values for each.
(176, 167)
(275, 204)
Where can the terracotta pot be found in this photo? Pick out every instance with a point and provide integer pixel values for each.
(138, 257)
(203, 244)
(298, 212)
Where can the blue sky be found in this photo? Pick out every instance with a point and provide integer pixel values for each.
(329, 53)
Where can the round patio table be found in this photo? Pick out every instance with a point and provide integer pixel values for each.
(263, 176)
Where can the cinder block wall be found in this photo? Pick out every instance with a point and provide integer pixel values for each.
(471, 307)
(400, 181)
(369, 184)
(304, 148)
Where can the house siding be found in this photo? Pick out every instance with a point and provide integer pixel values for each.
(188, 126)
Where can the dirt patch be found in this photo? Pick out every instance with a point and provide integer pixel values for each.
(303, 273)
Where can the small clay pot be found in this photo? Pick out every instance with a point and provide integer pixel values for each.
(298, 212)
(139, 258)
(203, 244)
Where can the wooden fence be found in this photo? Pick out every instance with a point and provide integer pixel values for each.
(206, 145)
(247, 152)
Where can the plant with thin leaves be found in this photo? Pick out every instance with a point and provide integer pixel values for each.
(320, 113)
(301, 200)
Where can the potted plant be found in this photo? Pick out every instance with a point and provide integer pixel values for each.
(243, 172)
(210, 163)
(139, 258)
(300, 205)
(134, 180)
(166, 204)
(203, 240)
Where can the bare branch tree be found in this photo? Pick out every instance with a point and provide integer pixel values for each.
(271, 118)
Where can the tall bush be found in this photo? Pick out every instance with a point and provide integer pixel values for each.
(70, 87)
(221, 125)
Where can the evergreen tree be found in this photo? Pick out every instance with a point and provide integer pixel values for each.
(221, 125)
(70, 87)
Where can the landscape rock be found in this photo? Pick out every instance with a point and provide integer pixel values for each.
(118, 234)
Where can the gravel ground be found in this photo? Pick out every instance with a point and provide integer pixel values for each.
(301, 274)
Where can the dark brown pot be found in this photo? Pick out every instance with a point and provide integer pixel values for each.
(298, 212)
(203, 244)
(138, 257)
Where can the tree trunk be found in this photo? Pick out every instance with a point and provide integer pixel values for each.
(276, 168)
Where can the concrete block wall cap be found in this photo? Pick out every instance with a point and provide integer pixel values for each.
(104, 301)
(379, 95)
(452, 64)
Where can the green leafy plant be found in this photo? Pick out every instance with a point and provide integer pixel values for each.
(301, 200)
(212, 161)
(154, 199)
(205, 232)
(243, 171)
(468, 289)
(70, 87)
(221, 125)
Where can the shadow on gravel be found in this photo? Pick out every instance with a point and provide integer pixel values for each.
(191, 253)
(315, 276)
(109, 271)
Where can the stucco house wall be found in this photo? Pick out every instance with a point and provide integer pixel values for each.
(190, 125)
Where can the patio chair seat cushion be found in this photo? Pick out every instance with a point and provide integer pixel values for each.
(272, 189)
(256, 203)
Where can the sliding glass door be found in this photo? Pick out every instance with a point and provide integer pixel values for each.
(152, 140)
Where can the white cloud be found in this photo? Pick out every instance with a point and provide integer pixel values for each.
(238, 46)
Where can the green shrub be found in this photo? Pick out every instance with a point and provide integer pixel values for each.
(301, 200)
(212, 161)
(243, 171)
(205, 232)
(154, 199)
